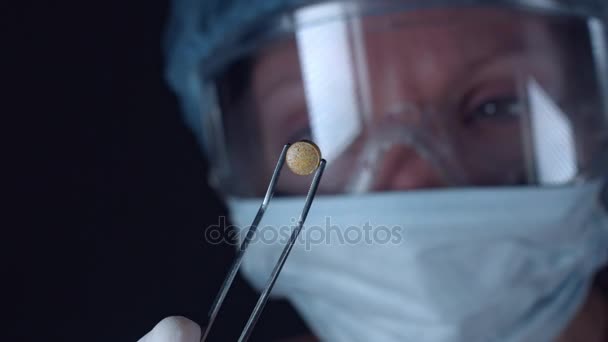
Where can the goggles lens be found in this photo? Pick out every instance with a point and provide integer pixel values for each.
(416, 99)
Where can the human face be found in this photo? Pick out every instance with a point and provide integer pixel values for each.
(442, 96)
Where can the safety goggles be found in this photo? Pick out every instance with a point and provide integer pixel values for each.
(401, 97)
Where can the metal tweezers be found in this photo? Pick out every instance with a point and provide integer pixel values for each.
(255, 315)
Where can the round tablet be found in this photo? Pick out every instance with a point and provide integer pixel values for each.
(303, 157)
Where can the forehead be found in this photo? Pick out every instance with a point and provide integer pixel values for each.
(452, 38)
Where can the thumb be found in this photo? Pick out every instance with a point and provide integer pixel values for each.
(174, 329)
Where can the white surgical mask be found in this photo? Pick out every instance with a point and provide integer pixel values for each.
(510, 264)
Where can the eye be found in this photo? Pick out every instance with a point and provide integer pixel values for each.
(503, 108)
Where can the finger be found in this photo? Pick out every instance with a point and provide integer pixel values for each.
(174, 329)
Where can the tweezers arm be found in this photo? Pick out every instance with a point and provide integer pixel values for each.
(219, 299)
(255, 315)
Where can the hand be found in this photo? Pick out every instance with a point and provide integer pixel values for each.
(174, 329)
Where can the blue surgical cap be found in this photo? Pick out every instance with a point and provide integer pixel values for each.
(195, 30)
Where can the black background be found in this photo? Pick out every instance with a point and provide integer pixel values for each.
(106, 186)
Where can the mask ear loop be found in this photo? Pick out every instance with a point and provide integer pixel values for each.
(303, 158)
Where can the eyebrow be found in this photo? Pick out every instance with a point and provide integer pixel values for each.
(514, 44)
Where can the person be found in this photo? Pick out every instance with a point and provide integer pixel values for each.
(466, 158)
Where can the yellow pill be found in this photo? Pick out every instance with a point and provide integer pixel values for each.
(303, 157)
